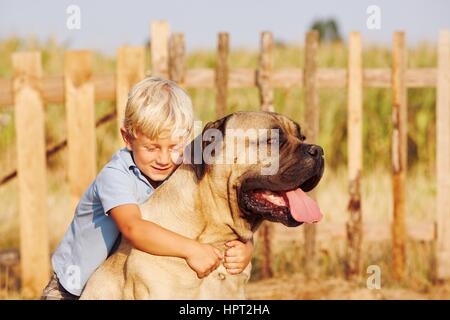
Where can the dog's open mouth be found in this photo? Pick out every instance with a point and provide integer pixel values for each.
(281, 200)
(282, 204)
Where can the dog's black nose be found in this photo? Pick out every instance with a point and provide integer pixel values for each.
(315, 151)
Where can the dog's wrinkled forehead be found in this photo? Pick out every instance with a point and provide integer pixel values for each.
(263, 120)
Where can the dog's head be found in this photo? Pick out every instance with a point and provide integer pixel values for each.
(260, 163)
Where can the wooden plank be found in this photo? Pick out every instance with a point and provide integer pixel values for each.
(399, 155)
(6, 92)
(104, 87)
(159, 37)
(221, 75)
(53, 89)
(443, 157)
(264, 84)
(105, 84)
(287, 78)
(311, 97)
(177, 58)
(130, 70)
(332, 78)
(242, 78)
(264, 73)
(377, 78)
(200, 78)
(80, 119)
(354, 148)
(32, 175)
(265, 234)
(420, 77)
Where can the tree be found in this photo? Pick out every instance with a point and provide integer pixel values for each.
(328, 30)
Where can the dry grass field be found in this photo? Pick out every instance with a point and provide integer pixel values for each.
(332, 192)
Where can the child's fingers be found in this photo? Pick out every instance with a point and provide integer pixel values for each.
(234, 251)
(232, 259)
(214, 267)
(234, 271)
(232, 266)
(218, 253)
(233, 243)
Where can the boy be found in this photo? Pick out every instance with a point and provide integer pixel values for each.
(158, 121)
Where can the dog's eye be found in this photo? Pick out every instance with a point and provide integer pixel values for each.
(302, 138)
(273, 141)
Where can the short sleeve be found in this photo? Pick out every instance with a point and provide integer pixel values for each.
(115, 188)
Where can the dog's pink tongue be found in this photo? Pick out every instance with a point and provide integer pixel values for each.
(303, 208)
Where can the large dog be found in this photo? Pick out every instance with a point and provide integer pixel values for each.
(216, 203)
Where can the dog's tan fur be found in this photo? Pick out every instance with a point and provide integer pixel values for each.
(205, 210)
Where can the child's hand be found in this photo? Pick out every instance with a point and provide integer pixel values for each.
(203, 259)
(237, 256)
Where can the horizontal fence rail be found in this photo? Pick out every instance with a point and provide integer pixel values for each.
(78, 88)
(105, 84)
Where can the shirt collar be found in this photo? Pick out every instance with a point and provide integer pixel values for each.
(128, 158)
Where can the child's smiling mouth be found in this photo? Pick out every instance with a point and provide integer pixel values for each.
(159, 169)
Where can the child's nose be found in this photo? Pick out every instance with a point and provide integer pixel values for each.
(163, 158)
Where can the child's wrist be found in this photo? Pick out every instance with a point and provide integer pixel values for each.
(189, 248)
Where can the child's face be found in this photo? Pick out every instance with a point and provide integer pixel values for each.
(155, 158)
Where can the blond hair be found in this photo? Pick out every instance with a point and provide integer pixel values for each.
(155, 105)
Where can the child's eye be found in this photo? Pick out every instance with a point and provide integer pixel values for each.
(177, 148)
(150, 149)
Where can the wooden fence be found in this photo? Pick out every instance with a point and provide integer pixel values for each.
(79, 89)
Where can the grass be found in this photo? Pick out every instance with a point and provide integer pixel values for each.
(288, 252)
(288, 244)
(377, 102)
(332, 192)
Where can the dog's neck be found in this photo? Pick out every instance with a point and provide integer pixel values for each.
(189, 207)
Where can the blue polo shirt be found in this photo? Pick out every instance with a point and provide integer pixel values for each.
(92, 233)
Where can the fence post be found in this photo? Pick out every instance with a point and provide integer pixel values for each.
(354, 148)
(399, 154)
(130, 70)
(264, 83)
(443, 157)
(311, 132)
(159, 37)
(222, 74)
(177, 58)
(32, 176)
(80, 119)
(265, 71)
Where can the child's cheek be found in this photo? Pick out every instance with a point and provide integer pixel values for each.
(177, 158)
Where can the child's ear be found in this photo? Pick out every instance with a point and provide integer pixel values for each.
(126, 138)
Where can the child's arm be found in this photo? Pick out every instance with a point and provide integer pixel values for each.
(154, 239)
(238, 256)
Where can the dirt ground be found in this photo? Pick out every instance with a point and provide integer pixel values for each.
(297, 288)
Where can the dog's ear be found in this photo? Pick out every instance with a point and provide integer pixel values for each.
(298, 132)
(195, 149)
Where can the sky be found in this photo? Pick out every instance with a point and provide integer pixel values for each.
(107, 25)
